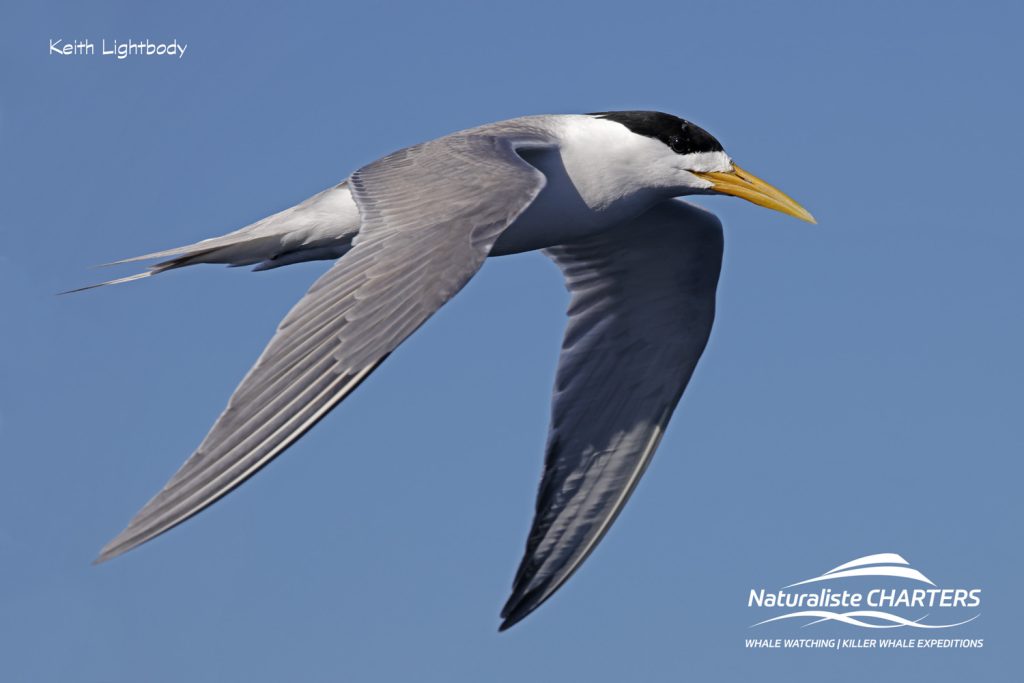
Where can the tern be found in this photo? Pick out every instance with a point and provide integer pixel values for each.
(597, 193)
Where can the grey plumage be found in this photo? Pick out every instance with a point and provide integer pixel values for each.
(443, 223)
(594, 192)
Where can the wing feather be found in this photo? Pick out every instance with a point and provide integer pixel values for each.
(643, 301)
(430, 215)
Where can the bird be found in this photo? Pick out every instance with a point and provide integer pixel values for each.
(599, 194)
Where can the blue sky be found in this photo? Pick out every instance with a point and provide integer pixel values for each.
(860, 394)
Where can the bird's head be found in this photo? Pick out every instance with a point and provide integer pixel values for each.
(698, 164)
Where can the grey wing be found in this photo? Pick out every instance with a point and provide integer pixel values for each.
(642, 305)
(430, 215)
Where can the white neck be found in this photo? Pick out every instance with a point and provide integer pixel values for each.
(608, 164)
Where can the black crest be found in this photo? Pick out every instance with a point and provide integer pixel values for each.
(679, 134)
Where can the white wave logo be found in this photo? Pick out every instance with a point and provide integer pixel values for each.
(857, 568)
(882, 565)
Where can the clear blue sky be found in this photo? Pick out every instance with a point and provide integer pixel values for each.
(861, 392)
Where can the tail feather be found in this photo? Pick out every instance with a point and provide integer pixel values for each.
(191, 254)
(116, 281)
(242, 244)
(321, 227)
(177, 251)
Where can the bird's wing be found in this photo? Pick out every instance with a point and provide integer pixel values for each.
(642, 304)
(430, 215)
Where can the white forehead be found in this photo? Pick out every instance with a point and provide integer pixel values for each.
(707, 162)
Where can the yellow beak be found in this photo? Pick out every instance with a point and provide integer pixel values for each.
(741, 184)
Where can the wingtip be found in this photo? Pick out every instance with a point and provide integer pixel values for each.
(118, 545)
(510, 621)
(109, 552)
(515, 610)
(507, 621)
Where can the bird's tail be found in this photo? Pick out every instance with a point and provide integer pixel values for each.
(241, 251)
(116, 281)
(322, 227)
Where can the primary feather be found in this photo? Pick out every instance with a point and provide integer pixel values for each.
(595, 193)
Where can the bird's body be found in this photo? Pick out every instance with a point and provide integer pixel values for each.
(409, 230)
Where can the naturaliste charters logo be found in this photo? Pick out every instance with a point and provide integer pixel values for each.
(879, 591)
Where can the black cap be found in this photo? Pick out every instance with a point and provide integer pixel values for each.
(679, 134)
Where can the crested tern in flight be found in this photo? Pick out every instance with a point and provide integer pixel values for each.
(596, 193)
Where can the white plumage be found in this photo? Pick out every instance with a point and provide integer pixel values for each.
(596, 193)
